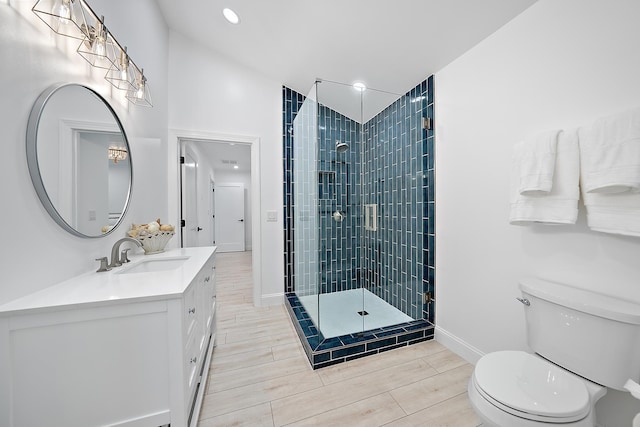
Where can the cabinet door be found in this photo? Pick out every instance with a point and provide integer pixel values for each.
(207, 302)
(192, 333)
(82, 367)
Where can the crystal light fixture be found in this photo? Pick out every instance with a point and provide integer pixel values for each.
(117, 153)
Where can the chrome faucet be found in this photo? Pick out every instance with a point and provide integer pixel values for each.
(115, 260)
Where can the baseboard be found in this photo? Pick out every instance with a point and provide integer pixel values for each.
(458, 346)
(272, 299)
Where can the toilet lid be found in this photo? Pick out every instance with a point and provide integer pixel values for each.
(532, 385)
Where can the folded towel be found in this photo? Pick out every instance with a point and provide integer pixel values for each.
(613, 213)
(560, 205)
(610, 154)
(537, 162)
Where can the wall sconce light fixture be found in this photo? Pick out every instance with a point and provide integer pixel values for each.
(122, 74)
(76, 19)
(99, 48)
(139, 94)
(64, 17)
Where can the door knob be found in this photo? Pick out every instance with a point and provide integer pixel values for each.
(241, 220)
(199, 228)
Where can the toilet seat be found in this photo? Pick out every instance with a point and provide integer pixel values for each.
(530, 387)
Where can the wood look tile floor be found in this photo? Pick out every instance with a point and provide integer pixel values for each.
(259, 375)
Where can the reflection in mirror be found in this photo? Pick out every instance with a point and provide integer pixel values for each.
(79, 160)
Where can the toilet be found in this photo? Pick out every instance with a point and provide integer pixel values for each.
(584, 343)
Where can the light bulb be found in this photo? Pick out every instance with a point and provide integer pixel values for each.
(99, 48)
(62, 9)
(140, 91)
(124, 65)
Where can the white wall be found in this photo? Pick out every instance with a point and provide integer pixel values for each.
(560, 64)
(244, 178)
(208, 93)
(36, 251)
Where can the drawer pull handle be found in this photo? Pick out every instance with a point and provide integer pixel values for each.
(193, 360)
(192, 310)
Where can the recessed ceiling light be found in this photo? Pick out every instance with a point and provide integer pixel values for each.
(230, 15)
(359, 86)
(235, 166)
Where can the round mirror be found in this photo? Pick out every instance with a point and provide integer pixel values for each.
(79, 160)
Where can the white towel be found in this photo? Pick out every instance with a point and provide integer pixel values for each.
(610, 154)
(560, 206)
(613, 213)
(537, 163)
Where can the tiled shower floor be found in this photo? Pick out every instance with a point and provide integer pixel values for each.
(339, 312)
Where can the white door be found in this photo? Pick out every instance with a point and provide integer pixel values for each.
(229, 217)
(190, 199)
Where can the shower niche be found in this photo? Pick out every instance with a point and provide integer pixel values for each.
(359, 219)
(333, 187)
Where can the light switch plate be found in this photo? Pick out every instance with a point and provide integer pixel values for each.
(272, 216)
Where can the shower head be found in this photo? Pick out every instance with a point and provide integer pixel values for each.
(341, 147)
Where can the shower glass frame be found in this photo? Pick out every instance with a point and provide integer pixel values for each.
(319, 195)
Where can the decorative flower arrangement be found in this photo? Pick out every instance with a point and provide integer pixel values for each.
(153, 236)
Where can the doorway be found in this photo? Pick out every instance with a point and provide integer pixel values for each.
(216, 187)
(189, 189)
(253, 225)
(230, 217)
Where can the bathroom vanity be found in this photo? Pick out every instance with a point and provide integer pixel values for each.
(128, 347)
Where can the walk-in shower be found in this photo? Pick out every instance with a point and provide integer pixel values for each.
(359, 217)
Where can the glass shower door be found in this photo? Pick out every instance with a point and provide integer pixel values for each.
(305, 195)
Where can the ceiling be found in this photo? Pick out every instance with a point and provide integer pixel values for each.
(390, 45)
(224, 155)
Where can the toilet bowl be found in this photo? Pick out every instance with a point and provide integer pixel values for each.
(518, 389)
(583, 342)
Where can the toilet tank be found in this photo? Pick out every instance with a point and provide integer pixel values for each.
(593, 335)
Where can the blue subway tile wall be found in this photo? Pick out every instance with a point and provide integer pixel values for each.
(306, 193)
(398, 176)
(429, 281)
(339, 178)
(390, 163)
(291, 103)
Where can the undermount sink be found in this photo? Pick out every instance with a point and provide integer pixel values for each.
(155, 265)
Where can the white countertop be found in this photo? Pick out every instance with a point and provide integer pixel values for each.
(107, 287)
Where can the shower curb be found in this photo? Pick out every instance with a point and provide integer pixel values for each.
(323, 352)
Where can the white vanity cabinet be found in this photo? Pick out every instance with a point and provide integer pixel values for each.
(111, 348)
